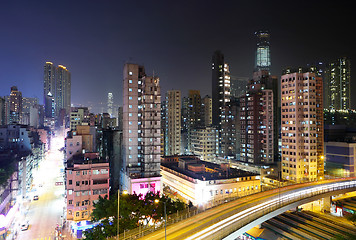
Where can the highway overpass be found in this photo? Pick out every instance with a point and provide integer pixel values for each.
(230, 220)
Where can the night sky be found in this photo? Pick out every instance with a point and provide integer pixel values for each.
(175, 39)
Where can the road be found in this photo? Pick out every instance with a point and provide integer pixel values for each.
(217, 219)
(45, 213)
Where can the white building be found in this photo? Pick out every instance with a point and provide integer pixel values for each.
(203, 183)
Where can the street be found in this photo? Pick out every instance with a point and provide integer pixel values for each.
(46, 213)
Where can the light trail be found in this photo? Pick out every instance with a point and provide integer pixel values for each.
(284, 198)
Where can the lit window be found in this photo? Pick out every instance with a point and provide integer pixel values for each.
(130, 81)
(130, 73)
(130, 89)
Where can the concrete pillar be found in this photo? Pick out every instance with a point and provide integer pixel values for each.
(327, 204)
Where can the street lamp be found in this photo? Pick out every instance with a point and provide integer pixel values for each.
(118, 210)
(165, 217)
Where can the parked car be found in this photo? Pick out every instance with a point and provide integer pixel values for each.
(35, 198)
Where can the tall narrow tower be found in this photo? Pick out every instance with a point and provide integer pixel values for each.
(49, 88)
(338, 84)
(63, 89)
(173, 101)
(15, 105)
(263, 54)
(302, 126)
(141, 131)
(220, 87)
(110, 104)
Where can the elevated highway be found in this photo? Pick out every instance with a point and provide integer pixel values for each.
(230, 220)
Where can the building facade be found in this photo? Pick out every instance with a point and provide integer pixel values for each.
(110, 104)
(338, 85)
(258, 118)
(206, 111)
(15, 104)
(205, 143)
(141, 131)
(193, 114)
(173, 120)
(203, 183)
(302, 126)
(49, 88)
(56, 89)
(63, 89)
(340, 159)
(87, 178)
(220, 87)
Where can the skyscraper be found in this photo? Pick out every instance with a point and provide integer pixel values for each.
(263, 55)
(206, 111)
(302, 126)
(220, 87)
(49, 86)
(110, 103)
(63, 89)
(259, 129)
(194, 111)
(56, 89)
(338, 85)
(15, 103)
(141, 131)
(173, 119)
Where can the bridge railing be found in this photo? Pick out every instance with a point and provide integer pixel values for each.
(285, 200)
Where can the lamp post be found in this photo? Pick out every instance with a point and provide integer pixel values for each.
(118, 211)
(165, 220)
(165, 217)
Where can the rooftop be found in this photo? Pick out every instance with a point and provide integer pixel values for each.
(203, 170)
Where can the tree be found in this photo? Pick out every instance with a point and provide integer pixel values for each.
(134, 210)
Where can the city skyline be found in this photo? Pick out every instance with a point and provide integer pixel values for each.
(91, 41)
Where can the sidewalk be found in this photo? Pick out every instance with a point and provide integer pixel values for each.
(66, 233)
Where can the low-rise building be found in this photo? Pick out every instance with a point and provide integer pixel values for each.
(340, 159)
(87, 178)
(203, 183)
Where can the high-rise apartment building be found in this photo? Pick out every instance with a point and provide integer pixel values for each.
(56, 89)
(302, 126)
(220, 87)
(15, 104)
(205, 143)
(238, 86)
(338, 85)
(258, 120)
(141, 131)
(206, 111)
(173, 120)
(110, 104)
(263, 55)
(63, 89)
(194, 111)
(49, 88)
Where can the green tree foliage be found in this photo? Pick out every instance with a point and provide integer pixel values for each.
(134, 210)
